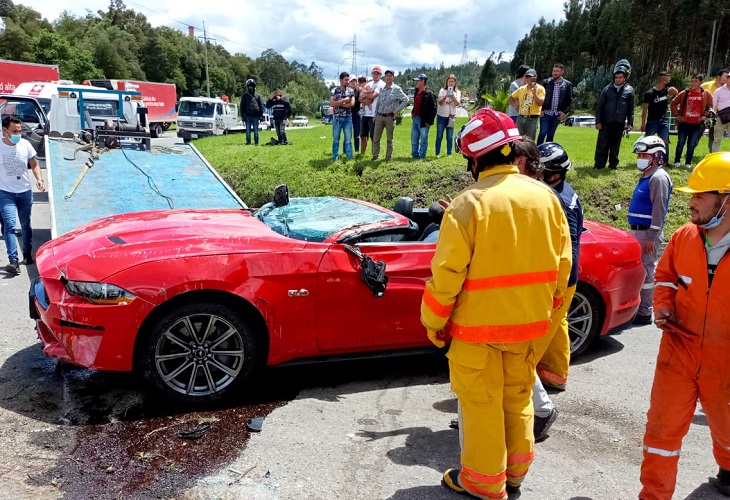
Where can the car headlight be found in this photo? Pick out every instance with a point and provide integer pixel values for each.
(99, 293)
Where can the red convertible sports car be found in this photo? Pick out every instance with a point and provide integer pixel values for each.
(197, 300)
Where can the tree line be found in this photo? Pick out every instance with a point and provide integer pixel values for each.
(119, 43)
(669, 35)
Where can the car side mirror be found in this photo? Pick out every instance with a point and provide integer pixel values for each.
(281, 195)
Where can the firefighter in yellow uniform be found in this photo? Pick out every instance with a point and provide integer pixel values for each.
(501, 267)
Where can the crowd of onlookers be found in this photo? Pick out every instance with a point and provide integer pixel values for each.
(358, 110)
(362, 108)
(702, 106)
(367, 107)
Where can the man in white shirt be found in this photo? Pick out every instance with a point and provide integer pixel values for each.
(721, 103)
(369, 102)
(16, 191)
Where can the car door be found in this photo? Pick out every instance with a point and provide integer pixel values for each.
(350, 318)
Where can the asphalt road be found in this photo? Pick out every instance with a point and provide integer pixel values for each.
(365, 430)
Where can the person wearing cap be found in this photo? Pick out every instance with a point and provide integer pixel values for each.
(341, 102)
(614, 114)
(497, 306)
(691, 307)
(392, 100)
(423, 114)
(528, 100)
(648, 213)
(369, 102)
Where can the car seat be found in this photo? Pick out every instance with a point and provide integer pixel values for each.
(404, 206)
(436, 213)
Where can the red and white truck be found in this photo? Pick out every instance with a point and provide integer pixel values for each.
(13, 73)
(159, 98)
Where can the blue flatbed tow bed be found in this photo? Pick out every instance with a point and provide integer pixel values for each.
(128, 179)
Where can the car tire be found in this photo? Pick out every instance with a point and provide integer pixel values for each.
(207, 365)
(584, 319)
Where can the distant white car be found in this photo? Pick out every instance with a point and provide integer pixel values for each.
(580, 121)
(300, 121)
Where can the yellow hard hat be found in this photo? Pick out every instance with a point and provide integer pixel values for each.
(711, 174)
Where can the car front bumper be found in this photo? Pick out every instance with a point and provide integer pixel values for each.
(94, 336)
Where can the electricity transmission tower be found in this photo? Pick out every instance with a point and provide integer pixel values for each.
(464, 57)
(355, 52)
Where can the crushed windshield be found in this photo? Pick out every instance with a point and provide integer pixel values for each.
(315, 219)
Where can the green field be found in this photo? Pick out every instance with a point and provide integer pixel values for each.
(306, 166)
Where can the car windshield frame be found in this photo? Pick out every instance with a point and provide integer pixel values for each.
(318, 218)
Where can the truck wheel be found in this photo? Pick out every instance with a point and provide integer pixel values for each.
(156, 130)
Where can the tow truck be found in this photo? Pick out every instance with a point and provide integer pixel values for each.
(100, 161)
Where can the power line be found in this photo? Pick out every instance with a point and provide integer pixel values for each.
(189, 25)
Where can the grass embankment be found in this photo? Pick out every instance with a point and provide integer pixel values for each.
(306, 166)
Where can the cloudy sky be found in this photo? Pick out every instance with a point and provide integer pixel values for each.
(393, 33)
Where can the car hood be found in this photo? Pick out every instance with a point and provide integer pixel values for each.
(106, 246)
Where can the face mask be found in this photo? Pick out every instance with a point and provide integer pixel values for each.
(642, 164)
(15, 138)
(715, 221)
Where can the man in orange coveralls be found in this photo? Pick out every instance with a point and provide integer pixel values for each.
(500, 268)
(691, 304)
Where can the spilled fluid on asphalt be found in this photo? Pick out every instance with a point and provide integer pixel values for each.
(125, 442)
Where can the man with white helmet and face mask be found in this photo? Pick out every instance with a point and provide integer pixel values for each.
(647, 214)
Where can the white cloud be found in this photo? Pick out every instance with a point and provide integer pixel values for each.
(397, 34)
